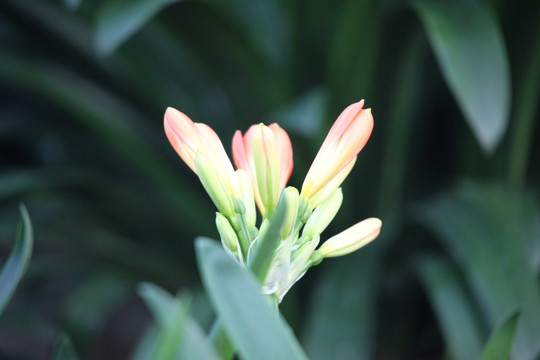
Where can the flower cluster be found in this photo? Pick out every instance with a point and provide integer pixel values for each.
(264, 162)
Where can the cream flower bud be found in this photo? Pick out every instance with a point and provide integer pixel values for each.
(344, 141)
(324, 214)
(265, 152)
(351, 239)
(227, 233)
(213, 185)
(328, 189)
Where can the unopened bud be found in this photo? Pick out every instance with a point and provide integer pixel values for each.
(328, 189)
(351, 239)
(291, 196)
(324, 214)
(266, 160)
(210, 179)
(229, 239)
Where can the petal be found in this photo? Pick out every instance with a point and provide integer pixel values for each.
(344, 141)
(174, 124)
(343, 122)
(284, 149)
(239, 152)
(183, 127)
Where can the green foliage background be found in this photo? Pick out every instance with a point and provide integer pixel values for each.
(451, 168)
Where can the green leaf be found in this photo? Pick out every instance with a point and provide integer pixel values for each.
(500, 342)
(63, 349)
(263, 249)
(490, 230)
(117, 20)
(252, 324)
(342, 311)
(116, 121)
(170, 316)
(471, 53)
(178, 335)
(451, 303)
(18, 260)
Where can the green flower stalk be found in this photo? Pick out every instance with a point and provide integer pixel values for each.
(264, 160)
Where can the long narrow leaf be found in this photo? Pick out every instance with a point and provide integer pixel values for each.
(472, 56)
(18, 260)
(454, 310)
(63, 349)
(252, 324)
(341, 321)
(119, 19)
(177, 334)
(488, 229)
(500, 342)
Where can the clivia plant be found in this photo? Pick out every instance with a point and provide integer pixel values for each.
(280, 244)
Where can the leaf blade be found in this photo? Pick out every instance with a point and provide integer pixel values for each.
(471, 54)
(500, 342)
(118, 20)
(18, 260)
(452, 306)
(256, 329)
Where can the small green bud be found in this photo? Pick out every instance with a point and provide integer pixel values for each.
(324, 214)
(303, 210)
(229, 239)
(291, 196)
(215, 188)
(316, 258)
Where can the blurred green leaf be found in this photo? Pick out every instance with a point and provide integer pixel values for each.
(500, 343)
(158, 301)
(488, 229)
(525, 108)
(72, 4)
(456, 313)
(354, 51)
(472, 56)
(117, 20)
(303, 115)
(17, 182)
(146, 345)
(87, 305)
(63, 349)
(116, 121)
(18, 260)
(248, 317)
(52, 18)
(342, 311)
(170, 316)
(178, 336)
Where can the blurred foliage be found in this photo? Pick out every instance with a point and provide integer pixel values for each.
(454, 87)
